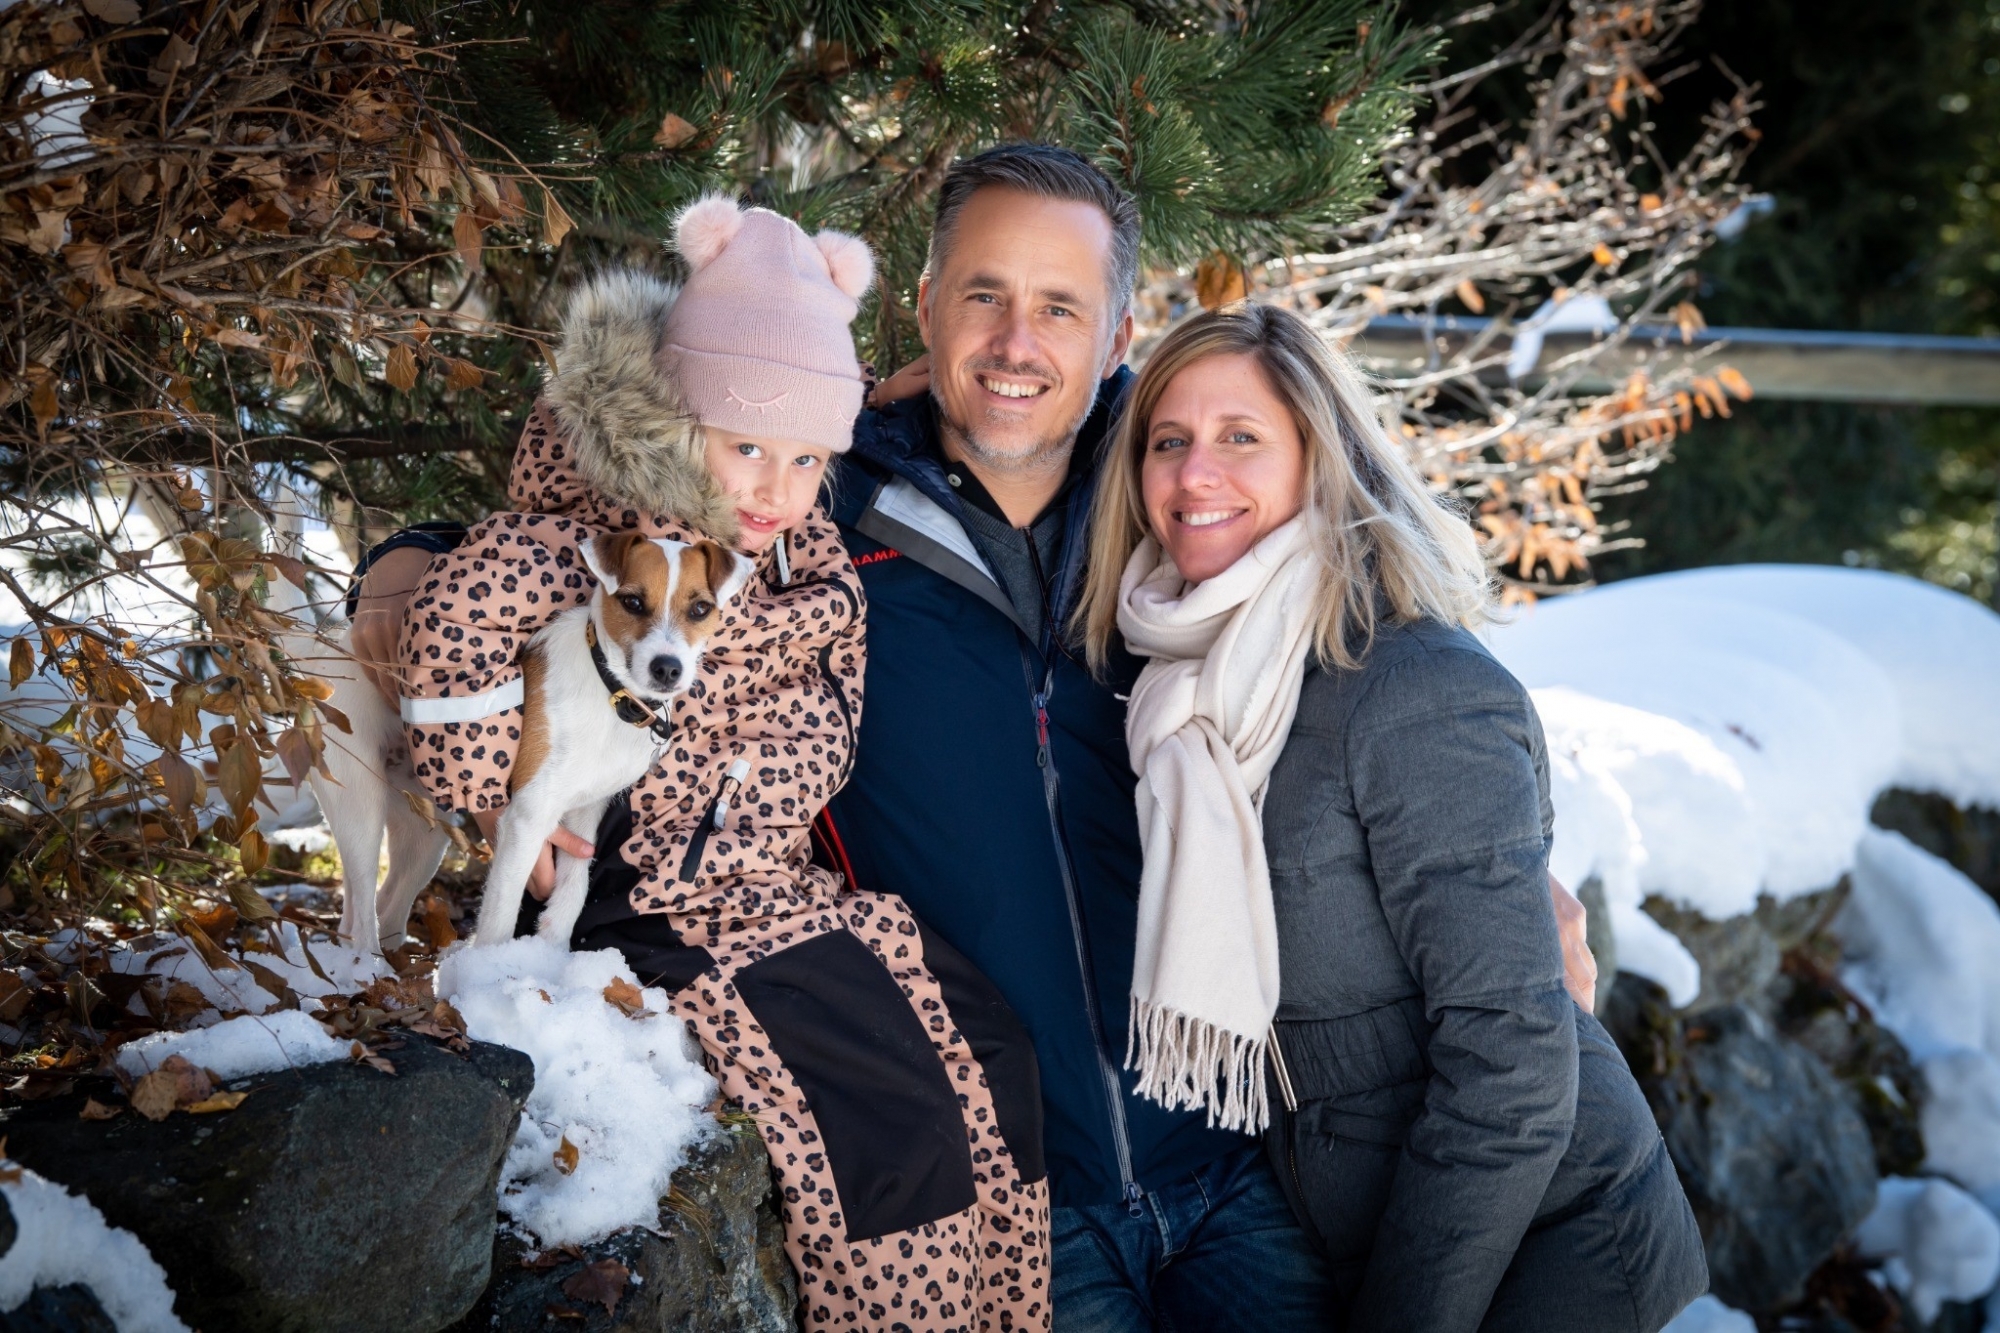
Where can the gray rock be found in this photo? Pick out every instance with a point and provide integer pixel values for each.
(1740, 957)
(715, 1265)
(336, 1199)
(1813, 1008)
(71, 1309)
(1776, 1161)
(1969, 838)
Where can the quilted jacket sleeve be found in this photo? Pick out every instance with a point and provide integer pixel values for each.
(1444, 757)
(475, 610)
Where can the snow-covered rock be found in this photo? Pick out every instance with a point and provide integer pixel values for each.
(1720, 735)
(238, 1047)
(617, 1100)
(1937, 1243)
(62, 1240)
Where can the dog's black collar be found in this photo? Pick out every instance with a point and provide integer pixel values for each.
(630, 708)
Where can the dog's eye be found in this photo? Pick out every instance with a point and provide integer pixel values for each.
(700, 610)
(634, 603)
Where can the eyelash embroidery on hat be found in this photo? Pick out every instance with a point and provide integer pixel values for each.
(758, 407)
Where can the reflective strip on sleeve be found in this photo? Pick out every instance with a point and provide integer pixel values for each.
(465, 708)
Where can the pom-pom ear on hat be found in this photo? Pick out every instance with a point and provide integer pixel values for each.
(848, 260)
(705, 227)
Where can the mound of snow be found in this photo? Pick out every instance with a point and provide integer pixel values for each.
(61, 1239)
(623, 1093)
(1938, 648)
(1939, 1244)
(1808, 722)
(1961, 1121)
(238, 1047)
(1922, 947)
(1709, 1315)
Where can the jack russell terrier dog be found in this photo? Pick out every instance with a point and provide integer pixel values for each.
(596, 693)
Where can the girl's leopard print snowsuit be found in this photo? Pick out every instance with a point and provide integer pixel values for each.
(895, 1090)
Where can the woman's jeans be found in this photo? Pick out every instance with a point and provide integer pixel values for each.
(1216, 1250)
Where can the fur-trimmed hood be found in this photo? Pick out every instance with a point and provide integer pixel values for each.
(633, 437)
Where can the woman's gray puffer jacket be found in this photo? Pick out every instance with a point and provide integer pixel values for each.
(1468, 1146)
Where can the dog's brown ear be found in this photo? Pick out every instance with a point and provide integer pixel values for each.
(726, 570)
(605, 555)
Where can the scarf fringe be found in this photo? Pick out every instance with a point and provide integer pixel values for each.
(1186, 1061)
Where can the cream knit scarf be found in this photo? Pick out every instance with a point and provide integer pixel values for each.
(1208, 719)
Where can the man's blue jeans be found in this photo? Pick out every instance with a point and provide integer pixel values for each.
(1215, 1251)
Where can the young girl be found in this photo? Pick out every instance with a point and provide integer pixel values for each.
(910, 1169)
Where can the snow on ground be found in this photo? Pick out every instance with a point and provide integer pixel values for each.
(617, 1099)
(234, 990)
(1936, 1242)
(1709, 1315)
(61, 1239)
(238, 1047)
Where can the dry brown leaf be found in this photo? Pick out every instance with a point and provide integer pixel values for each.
(254, 853)
(240, 776)
(601, 1283)
(674, 132)
(1469, 297)
(1219, 280)
(566, 1156)
(180, 781)
(556, 223)
(1732, 380)
(1601, 255)
(401, 370)
(467, 237)
(20, 661)
(112, 11)
(221, 1101)
(461, 375)
(438, 930)
(295, 752)
(96, 1110)
(627, 997)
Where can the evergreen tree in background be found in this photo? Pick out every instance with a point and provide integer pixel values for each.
(1242, 129)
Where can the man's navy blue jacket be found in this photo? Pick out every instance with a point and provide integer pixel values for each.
(992, 792)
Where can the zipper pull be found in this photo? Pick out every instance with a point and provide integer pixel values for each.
(1134, 1198)
(732, 782)
(1042, 730)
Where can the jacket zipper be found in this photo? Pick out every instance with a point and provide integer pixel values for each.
(713, 818)
(1051, 788)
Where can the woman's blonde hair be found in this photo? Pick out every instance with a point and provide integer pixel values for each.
(1390, 546)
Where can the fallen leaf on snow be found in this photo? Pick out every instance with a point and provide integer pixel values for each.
(96, 1110)
(566, 1156)
(627, 997)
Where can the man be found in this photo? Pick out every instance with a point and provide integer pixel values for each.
(992, 789)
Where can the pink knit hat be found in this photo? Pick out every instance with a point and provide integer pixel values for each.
(759, 339)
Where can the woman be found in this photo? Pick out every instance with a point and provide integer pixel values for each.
(1344, 806)
(895, 1091)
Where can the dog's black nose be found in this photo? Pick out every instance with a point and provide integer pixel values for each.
(666, 671)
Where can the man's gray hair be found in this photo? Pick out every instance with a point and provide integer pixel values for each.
(1048, 172)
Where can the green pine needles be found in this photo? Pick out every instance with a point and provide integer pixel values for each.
(1245, 129)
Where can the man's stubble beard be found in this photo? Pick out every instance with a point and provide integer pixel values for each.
(1049, 455)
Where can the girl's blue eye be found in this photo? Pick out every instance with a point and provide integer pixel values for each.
(1166, 442)
(807, 460)
(747, 450)
(1242, 437)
